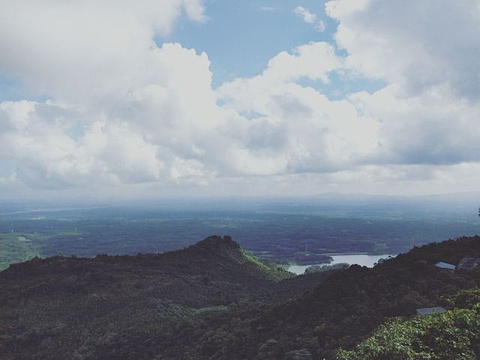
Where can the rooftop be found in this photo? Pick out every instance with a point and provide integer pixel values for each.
(430, 311)
(443, 265)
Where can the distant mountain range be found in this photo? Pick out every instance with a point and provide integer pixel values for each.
(213, 300)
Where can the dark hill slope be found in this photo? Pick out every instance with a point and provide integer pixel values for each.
(212, 301)
(215, 271)
(50, 308)
(339, 312)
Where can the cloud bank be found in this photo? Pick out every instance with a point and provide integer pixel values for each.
(110, 108)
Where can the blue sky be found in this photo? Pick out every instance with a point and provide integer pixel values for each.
(10, 89)
(200, 97)
(240, 37)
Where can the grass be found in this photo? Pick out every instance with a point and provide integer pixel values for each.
(15, 248)
(275, 272)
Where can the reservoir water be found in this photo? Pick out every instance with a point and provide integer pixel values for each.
(362, 260)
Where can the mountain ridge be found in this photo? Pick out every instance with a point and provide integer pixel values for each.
(212, 300)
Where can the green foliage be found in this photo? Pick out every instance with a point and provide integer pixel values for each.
(15, 248)
(323, 268)
(272, 271)
(465, 299)
(214, 301)
(451, 335)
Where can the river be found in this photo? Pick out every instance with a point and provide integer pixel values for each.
(362, 260)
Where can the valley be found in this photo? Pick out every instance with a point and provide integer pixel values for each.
(289, 231)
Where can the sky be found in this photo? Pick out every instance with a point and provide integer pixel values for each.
(152, 98)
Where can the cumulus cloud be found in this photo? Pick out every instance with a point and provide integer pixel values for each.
(313, 61)
(418, 46)
(309, 18)
(150, 133)
(435, 128)
(124, 111)
(299, 127)
(429, 110)
(114, 95)
(82, 50)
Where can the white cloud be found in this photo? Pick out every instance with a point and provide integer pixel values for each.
(299, 129)
(418, 46)
(126, 113)
(307, 16)
(82, 50)
(434, 128)
(429, 111)
(310, 18)
(151, 133)
(115, 96)
(313, 61)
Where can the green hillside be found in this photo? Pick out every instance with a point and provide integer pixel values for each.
(213, 300)
(454, 334)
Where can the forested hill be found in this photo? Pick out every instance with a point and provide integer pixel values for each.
(212, 272)
(339, 312)
(61, 307)
(213, 300)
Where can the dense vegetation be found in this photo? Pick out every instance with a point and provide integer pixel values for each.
(451, 335)
(213, 300)
(15, 248)
(340, 311)
(77, 307)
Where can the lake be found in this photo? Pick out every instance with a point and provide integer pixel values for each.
(362, 260)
